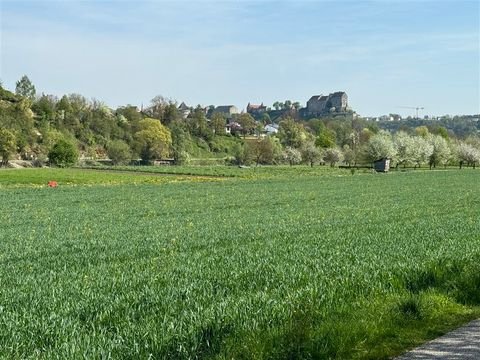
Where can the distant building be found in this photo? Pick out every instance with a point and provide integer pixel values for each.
(385, 118)
(324, 104)
(233, 127)
(254, 109)
(227, 110)
(271, 129)
(184, 110)
(317, 104)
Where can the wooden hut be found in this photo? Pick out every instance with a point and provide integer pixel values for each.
(382, 165)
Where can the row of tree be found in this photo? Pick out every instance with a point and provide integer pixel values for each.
(33, 126)
(293, 145)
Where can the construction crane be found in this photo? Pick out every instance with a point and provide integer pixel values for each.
(414, 107)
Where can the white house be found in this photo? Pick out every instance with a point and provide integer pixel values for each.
(271, 129)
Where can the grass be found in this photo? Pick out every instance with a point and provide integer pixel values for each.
(256, 172)
(270, 267)
(250, 172)
(40, 177)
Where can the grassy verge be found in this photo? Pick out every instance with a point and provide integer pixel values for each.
(377, 327)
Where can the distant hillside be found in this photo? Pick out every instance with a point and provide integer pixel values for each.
(460, 126)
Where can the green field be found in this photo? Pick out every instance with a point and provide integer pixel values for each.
(14, 178)
(292, 263)
(251, 172)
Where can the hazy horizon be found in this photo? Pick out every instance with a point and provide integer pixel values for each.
(384, 54)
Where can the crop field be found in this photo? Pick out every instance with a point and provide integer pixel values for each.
(314, 266)
(251, 172)
(14, 178)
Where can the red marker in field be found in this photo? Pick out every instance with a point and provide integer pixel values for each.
(52, 184)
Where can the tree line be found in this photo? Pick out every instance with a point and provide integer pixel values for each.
(44, 127)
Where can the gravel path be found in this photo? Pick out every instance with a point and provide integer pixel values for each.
(463, 343)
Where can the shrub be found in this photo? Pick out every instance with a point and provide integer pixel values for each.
(63, 154)
(7, 146)
(119, 152)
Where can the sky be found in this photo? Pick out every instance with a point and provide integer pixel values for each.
(386, 55)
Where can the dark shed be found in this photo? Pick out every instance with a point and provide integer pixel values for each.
(382, 165)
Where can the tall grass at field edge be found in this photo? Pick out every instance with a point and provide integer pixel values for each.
(427, 304)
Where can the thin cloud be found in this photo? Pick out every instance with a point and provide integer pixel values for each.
(232, 52)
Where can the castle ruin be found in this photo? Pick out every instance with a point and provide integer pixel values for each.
(324, 104)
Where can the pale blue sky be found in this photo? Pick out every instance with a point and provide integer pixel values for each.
(384, 54)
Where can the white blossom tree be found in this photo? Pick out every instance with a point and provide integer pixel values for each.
(404, 144)
(380, 146)
(292, 156)
(332, 156)
(467, 154)
(310, 153)
(421, 151)
(349, 155)
(440, 152)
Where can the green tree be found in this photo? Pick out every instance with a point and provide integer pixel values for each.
(332, 156)
(18, 118)
(263, 151)
(326, 138)
(179, 143)
(153, 141)
(102, 122)
(291, 133)
(170, 113)
(63, 109)
(157, 107)
(25, 88)
(76, 114)
(8, 145)
(247, 122)
(422, 131)
(44, 108)
(218, 123)
(349, 155)
(198, 125)
(119, 152)
(241, 154)
(310, 153)
(63, 154)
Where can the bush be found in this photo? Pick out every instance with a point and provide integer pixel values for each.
(63, 154)
(182, 158)
(7, 146)
(119, 152)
